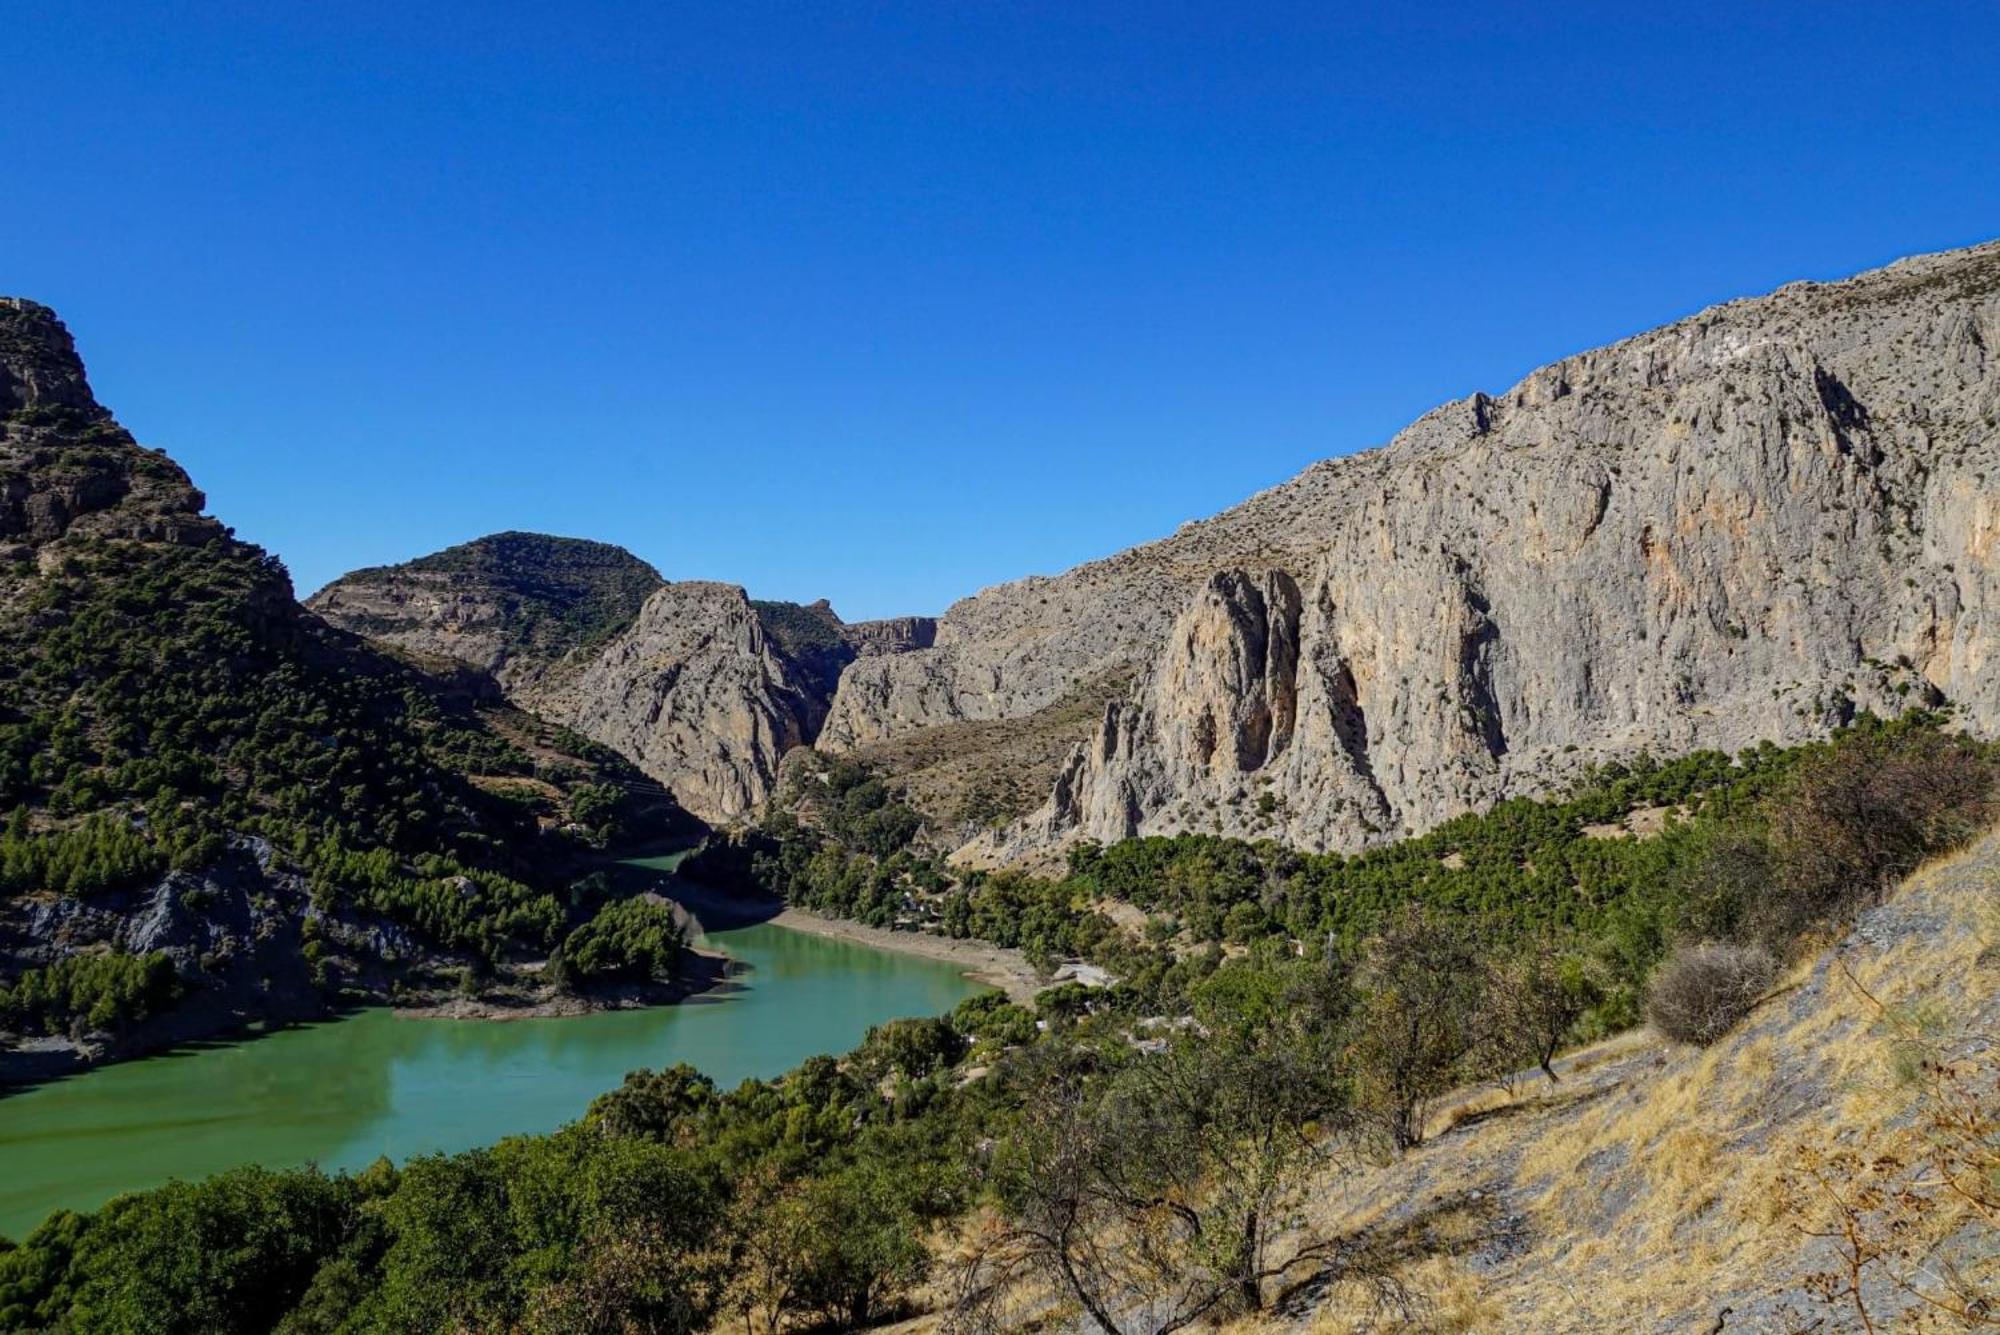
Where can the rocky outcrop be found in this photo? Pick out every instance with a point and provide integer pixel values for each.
(1744, 526)
(39, 368)
(701, 686)
(891, 635)
(696, 692)
(507, 604)
(65, 466)
(706, 690)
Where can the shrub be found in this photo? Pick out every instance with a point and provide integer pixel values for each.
(633, 938)
(911, 1048)
(101, 854)
(664, 1105)
(1701, 991)
(101, 991)
(1862, 814)
(1536, 1001)
(1421, 1012)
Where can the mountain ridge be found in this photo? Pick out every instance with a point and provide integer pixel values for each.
(1514, 480)
(702, 686)
(220, 808)
(1744, 525)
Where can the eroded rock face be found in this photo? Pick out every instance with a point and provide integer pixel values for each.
(1741, 527)
(39, 368)
(706, 690)
(702, 687)
(696, 693)
(66, 467)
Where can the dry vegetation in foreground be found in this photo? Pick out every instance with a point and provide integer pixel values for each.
(1832, 1165)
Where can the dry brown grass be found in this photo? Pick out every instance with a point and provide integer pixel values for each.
(1653, 1178)
(1450, 1303)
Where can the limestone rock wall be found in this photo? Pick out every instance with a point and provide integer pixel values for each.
(1743, 526)
(695, 693)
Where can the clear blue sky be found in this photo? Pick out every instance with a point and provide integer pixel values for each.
(889, 302)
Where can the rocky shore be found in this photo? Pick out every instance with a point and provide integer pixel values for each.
(234, 935)
(996, 966)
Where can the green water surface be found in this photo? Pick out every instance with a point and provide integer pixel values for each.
(342, 1093)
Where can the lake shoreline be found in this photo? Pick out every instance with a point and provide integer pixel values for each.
(998, 967)
(375, 1081)
(702, 972)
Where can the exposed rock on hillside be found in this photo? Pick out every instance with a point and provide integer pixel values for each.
(219, 807)
(504, 604)
(697, 692)
(704, 688)
(65, 466)
(1745, 525)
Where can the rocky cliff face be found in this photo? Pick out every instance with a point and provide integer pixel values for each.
(65, 466)
(1743, 526)
(704, 688)
(1746, 525)
(697, 692)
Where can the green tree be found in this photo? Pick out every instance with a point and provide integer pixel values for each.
(231, 1254)
(1419, 1016)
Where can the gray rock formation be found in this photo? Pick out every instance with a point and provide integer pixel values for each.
(696, 693)
(706, 690)
(65, 466)
(699, 685)
(507, 604)
(1743, 526)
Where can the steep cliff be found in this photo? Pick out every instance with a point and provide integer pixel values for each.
(66, 468)
(704, 688)
(1745, 525)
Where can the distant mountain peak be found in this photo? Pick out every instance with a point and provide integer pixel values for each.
(703, 686)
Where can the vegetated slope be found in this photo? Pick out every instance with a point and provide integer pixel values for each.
(218, 807)
(701, 686)
(1196, 1143)
(1658, 1187)
(504, 604)
(1742, 526)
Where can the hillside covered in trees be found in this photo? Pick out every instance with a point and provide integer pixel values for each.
(216, 807)
(1386, 1125)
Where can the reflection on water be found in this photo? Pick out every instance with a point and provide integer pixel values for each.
(341, 1093)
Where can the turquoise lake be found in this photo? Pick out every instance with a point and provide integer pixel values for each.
(342, 1093)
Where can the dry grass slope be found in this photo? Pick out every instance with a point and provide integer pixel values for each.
(1662, 1188)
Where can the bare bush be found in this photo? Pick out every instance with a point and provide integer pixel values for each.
(1909, 1207)
(1534, 1000)
(1165, 1193)
(1700, 992)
